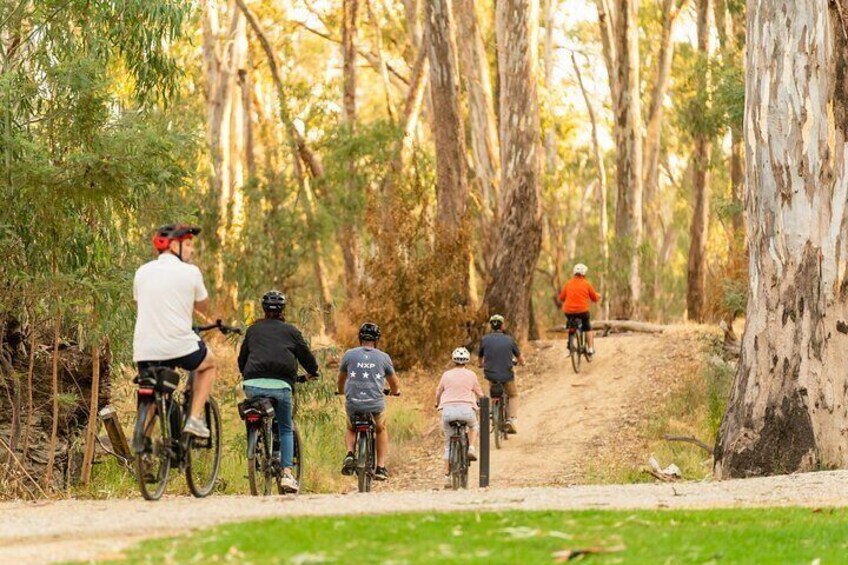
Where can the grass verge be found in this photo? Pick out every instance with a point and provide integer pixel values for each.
(767, 535)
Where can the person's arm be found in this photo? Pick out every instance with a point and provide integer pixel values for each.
(480, 358)
(391, 376)
(478, 390)
(340, 382)
(439, 390)
(394, 384)
(563, 294)
(518, 355)
(593, 294)
(303, 354)
(201, 295)
(244, 353)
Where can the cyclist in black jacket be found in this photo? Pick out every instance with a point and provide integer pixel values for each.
(268, 361)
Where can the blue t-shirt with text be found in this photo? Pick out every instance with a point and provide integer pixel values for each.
(366, 369)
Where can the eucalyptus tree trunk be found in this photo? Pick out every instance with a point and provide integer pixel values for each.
(347, 235)
(600, 168)
(449, 136)
(787, 412)
(485, 149)
(481, 109)
(448, 133)
(696, 283)
(628, 141)
(520, 236)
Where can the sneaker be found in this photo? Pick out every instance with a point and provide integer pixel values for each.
(510, 427)
(288, 483)
(196, 428)
(349, 465)
(472, 453)
(591, 351)
(381, 474)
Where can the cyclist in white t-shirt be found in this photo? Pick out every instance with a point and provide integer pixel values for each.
(167, 291)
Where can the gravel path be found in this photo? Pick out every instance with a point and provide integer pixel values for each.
(63, 530)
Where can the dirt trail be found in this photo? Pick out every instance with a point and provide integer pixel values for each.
(567, 420)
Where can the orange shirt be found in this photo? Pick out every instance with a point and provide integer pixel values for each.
(576, 295)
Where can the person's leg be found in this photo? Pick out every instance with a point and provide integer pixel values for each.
(285, 427)
(590, 335)
(382, 439)
(204, 378)
(511, 391)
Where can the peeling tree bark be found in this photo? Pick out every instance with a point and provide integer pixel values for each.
(449, 136)
(481, 110)
(788, 410)
(347, 234)
(696, 282)
(628, 140)
(520, 237)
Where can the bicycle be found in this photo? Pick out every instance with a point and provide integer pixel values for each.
(158, 441)
(499, 413)
(576, 334)
(458, 455)
(263, 444)
(365, 447)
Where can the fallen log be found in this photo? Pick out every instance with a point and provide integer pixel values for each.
(608, 326)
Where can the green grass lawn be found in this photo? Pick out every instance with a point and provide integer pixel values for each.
(780, 535)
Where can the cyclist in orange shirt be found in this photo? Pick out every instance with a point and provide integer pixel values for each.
(576, 296)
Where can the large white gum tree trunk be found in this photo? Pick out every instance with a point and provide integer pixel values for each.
(787, 411)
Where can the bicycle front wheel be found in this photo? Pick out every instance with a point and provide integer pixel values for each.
(152, 457)
(297, 459)
(204, 455)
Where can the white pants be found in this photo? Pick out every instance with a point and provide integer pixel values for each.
(453, 412)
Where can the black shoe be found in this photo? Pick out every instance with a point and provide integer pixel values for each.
(381, 474)
(349, 465)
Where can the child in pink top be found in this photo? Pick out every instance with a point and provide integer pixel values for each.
(456, 397)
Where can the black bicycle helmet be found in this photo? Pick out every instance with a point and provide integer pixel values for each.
(274, 301)
(369, 332)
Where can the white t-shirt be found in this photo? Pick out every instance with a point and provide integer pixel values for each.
(165, 291)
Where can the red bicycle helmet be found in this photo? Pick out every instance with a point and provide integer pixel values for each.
(173, 232)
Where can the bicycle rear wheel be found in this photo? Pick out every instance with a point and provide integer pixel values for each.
(463, 461)
(497, 424)
(454, 463)
(259, 469)
(204, 455)
(152, 456)
(363, 463)
(577, 352)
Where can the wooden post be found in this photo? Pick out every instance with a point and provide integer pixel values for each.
(91, 431)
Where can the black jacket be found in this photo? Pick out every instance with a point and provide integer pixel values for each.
(272, 349)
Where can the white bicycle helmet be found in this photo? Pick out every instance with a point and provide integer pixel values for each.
(581, 269)
(461, 356)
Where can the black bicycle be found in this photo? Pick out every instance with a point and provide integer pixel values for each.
(365, 447)
(577, 347)
(263, 444)
(458, 454)
(158, 442)
(499, 413)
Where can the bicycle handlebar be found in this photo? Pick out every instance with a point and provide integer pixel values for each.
(219, 325)
(386, 391)
(307, 378)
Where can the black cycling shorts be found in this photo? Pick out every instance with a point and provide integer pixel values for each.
(586, 324)
(188, 362)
